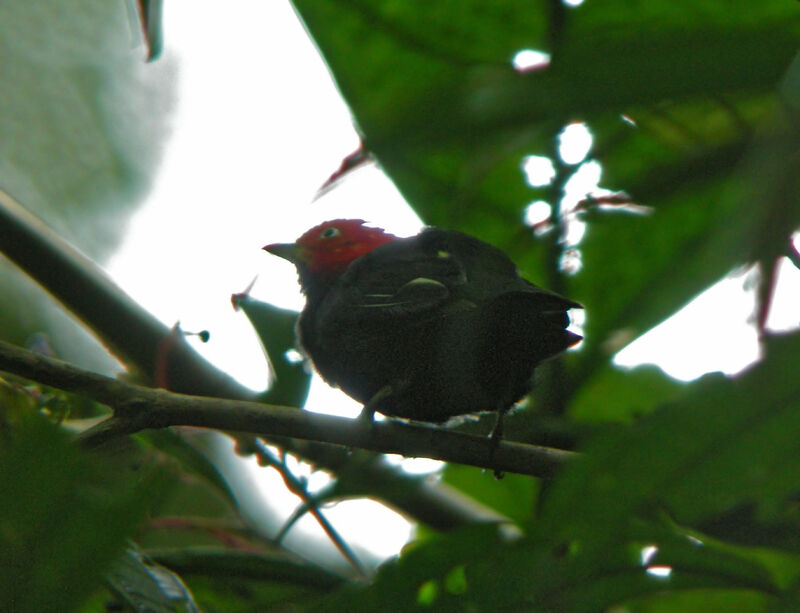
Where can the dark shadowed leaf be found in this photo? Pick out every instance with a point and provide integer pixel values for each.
(275, 328)
(724, 442)
(620, 394)
(64, 519)
(191, 459)
(146, 586)
(151, 16)
(513, 496)
(242, 581)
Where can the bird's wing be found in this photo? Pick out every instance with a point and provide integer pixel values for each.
(403, 278)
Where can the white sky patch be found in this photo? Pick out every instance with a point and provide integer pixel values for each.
(647, 554)
(530, 59)
(239, 171)
(574, 143)
(384, 533)
(537, 212)
(584, 181)
(662, 572)
(711, 333)
(785, 314)
(538, 170)
(415, 466)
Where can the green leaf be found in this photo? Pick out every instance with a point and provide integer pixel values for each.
(421, 575)
(447, 116)
(275, 327)
(715, 209)
(242, 581)
(700, 601)
(146, 586)
(622, 395)
(513, 496)
(191, 459)
(417, 79)
(475, 570)
(540, 575)
(726, 442)
(150, 13)
(64, 519)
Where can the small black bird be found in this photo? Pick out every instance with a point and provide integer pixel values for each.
(428, 327)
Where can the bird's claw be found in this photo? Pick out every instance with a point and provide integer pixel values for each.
(368, 412)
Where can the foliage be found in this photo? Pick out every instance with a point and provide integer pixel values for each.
(685, 495)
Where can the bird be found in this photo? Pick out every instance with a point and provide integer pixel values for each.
(424, 328)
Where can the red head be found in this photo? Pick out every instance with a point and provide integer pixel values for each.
(327, 249)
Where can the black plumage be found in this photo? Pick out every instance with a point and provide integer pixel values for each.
(429, 327)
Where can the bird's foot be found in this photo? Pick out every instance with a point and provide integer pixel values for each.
(368, 412)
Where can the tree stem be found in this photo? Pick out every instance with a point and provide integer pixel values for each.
(138, 408)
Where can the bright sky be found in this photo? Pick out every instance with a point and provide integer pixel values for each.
(258, 128)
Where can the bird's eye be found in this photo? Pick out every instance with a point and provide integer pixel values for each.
(329, 232)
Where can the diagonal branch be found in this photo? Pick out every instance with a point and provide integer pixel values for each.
(138, 408)
(130, 332)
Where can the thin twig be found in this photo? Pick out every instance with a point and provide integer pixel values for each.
(138, 408)
(768, 279)
(793, 254)
(298, 488)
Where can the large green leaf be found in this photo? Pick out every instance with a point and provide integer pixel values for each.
(444, 111)
(724, 443)
(477, 570)
(715, 207)
(513, 496)
(64, 518)
(615, 394)
(419, 578)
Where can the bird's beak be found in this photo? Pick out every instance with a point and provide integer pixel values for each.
(288, 251)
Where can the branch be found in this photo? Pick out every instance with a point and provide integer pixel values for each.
(138, 408)
(145, 344)
(130, 332)
(298, 488)
(793, 254)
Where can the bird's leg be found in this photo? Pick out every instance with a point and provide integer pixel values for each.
(497, 431)
(497, 435)
(368, 412)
